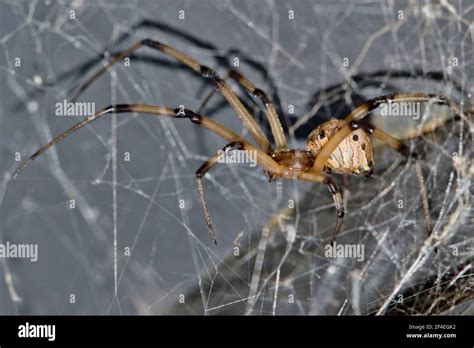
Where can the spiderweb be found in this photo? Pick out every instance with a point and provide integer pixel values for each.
(114, 209)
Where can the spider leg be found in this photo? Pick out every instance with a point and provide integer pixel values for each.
(212, 161)
(351, 121)
(270, 110)
(208, 97)
(336, 196)
(375, 79)
(262, 159)
(249, 122)
(203, 121)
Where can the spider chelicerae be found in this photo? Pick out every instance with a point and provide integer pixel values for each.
(340, 146)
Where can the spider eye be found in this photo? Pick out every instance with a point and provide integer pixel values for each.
(321, 135)
(363, 147)
(355, 137)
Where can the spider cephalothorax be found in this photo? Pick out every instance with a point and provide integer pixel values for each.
(296, 161)
(352, 156)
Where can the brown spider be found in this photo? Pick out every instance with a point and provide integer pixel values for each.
(336, 146)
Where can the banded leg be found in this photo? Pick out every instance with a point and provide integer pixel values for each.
(336, 196)
(249, 122)
(351, 121)
(211, 162)
(263, 160)
(203, 121)
(270, 110)
(209, 96)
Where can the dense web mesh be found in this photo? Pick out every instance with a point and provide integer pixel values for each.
(114, 209)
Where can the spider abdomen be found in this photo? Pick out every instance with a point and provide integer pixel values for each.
(352, 156)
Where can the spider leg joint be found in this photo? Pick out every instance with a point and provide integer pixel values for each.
(209, 73)
(258, 93)
(368, 128)
(332, 186)
(236, 145)
(186, 113)
(354, 125)
(151, 43)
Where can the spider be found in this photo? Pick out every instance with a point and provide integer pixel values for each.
(341, 146)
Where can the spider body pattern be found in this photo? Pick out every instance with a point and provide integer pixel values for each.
(341, 146)
(353, 155)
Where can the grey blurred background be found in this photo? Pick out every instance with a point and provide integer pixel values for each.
(294, 50)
